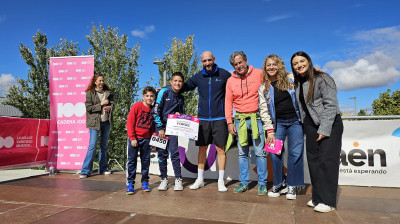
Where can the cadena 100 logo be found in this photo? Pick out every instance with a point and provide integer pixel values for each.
(7, 142)
(69, 109)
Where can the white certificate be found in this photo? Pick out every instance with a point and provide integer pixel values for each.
(183, 125)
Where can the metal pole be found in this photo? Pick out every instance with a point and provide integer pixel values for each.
(165, 74)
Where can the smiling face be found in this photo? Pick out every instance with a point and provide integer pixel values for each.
(240, 65)
(148, 98)
(300, 65)
(208, 61)
(176, 83)
(271, 68)
(99, 82)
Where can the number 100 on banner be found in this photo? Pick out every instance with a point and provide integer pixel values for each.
(182, 125)
(158, 142)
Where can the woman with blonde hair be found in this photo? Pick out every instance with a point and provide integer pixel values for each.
(280, 115)
(99, 106)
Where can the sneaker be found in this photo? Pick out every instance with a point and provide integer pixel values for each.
(291, 194)
(278, 190)
(108, 172)
(178, 185)
(83, 176)
(262, 190)
(310, 203)
(241, 188)
(197, 184)
(146, 187)
(321, 207)
(221, 186)
(129, 189)
(163, 185)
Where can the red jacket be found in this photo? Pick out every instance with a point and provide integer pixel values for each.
(140, 123)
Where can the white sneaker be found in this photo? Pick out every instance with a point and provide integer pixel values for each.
(221, 186)
(163, 185)
(178, 185)
(83, 176)
(321, 207)
(197, 184)
(278, 190)
(108, 172)
(310, 203)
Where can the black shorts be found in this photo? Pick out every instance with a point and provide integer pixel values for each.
(212, 132)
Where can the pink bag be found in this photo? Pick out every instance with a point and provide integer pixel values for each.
(274, 148)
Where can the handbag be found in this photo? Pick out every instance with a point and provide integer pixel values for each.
(274, 148)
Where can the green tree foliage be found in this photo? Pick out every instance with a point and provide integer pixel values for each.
(118, 63)
(388, 103)
(31, 96)
(182, 57)
(362, 113)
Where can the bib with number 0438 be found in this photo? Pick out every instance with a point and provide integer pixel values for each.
(158, 142)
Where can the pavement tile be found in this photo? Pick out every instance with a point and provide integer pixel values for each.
(30, 213)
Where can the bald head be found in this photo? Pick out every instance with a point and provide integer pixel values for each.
(208, 61)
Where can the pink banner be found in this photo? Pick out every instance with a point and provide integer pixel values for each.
(69, 137)
(23, 142)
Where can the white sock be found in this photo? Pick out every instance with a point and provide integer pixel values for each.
(200, 174)
(221, 175)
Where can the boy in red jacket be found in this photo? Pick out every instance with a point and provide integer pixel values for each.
(140, 126)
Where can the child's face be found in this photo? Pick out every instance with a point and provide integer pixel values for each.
(176, 83)
(148, 98)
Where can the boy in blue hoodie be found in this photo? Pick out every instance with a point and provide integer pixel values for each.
(169, 101)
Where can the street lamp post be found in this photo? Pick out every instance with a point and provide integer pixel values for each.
(162, 62)
(355, 104)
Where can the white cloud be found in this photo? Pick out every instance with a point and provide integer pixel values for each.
(376, 68)
(278, 17)
(5, 81)
(143, 33)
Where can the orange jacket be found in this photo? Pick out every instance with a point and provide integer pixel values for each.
(242, 93)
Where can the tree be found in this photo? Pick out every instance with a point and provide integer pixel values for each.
(31, 96)
(118, 63)
(387, 103)
(182, 57)
(362, 113)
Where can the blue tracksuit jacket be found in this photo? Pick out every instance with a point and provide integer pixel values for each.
(211, 88)
(167, 102)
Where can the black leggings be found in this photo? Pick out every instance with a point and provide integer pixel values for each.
(323, 161)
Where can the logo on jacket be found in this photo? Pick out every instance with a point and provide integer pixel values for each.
(218, 80)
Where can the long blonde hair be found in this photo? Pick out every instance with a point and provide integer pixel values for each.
(283, 82)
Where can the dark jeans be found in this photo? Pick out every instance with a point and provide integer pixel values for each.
(144, 151)
(323, 161)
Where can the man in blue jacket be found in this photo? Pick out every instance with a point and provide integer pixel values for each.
(211, 83)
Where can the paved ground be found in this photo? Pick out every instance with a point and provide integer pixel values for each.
(64, 198)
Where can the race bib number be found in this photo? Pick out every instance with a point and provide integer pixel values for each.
(182, 125)
(158, 142)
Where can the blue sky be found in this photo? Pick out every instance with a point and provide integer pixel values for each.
(356, 41)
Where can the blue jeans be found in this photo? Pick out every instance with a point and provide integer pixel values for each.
(261, 156)
(144, 150)
(94, 136)
(292, 129)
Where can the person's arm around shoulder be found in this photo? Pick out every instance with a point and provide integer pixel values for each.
(264, 115)
(327, 87)
(157, 111)
(229, 109)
